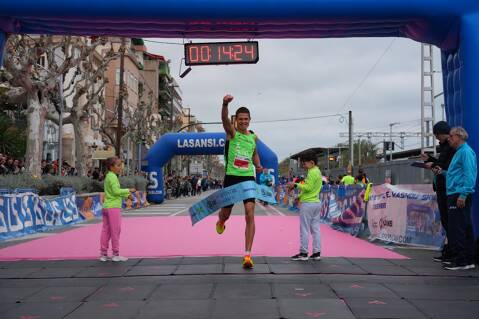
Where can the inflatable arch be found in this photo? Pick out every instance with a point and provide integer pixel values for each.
(453, 26)
(172, 144)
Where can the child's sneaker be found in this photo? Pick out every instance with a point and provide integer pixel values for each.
(103, 258)
(315, 256)
(248, 262)
(300, 256)
(118, 258)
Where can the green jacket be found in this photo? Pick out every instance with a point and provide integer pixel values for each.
(113, 193)
(348, 180)
(312, 186)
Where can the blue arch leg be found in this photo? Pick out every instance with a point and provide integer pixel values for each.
(469, 51)
(3, 40)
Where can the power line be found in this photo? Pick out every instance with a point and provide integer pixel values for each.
(367, 74)
(299, 118)
(163, 42)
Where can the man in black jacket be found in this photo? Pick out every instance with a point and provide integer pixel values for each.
(441, 132)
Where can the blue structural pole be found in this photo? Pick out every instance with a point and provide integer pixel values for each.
(469, 73)
(3, 40)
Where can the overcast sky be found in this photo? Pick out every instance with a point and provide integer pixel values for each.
(302, 78)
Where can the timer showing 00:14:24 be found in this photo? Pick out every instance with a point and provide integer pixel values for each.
(221, 53)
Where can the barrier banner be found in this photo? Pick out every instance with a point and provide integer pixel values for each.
(27, 213)
(228, 196)
(343, 207)
(405, 214)
(90, 206)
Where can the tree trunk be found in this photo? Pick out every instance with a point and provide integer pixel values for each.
(81, 158)
(36, 122)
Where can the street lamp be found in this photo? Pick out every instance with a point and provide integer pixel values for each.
(442, 105)
(391, 139)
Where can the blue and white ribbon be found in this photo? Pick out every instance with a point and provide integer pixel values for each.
(228, 196)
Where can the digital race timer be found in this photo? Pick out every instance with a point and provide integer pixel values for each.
(221, 53)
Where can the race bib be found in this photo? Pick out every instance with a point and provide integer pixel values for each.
(241, 162)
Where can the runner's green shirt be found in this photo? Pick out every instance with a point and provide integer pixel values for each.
(239, 154)
(312, 186)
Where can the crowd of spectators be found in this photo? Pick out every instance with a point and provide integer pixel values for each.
(52, 167)
(192, 185)
(10, 165)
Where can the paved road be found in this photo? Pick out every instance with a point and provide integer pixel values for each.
(179, 207)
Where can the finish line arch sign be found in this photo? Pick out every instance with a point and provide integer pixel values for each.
(173, 144)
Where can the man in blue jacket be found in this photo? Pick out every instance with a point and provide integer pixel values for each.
(460, 182)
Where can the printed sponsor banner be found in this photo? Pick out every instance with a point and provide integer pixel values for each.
(228, 196)
(90, 205)
(405, 214)
(343, 207)
(27, 213)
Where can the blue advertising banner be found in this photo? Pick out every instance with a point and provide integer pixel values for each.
(228, 196)
(27, 213)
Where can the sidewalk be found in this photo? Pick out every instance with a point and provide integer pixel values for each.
(217, 287)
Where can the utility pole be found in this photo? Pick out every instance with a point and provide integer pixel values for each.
(119, 127)
(359, 151)
(351, 149)
(171, 110)
(188, 163)
(60, 126)
(391, 140)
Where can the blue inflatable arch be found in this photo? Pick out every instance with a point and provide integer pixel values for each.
(451, 25)
(172, 144)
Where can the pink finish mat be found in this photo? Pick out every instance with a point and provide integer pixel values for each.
(144, 237)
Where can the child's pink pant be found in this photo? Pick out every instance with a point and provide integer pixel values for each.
(110, 230)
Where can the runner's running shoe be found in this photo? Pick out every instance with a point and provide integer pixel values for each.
(220, 228)
(248, 262)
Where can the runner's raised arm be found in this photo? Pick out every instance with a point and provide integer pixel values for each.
(227, 125)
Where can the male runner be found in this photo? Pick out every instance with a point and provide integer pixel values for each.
(241, 158)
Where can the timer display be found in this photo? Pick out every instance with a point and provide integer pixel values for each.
(221, 53)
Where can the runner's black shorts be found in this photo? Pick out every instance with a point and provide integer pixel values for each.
(232, 180)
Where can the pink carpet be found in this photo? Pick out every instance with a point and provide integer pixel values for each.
(276, 236)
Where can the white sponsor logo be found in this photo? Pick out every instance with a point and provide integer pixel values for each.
(202, 142)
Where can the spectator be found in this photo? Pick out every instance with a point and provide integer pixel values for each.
(96, 174)
(347, 179)
(361, 178)
(266, 180)
(446, 152)
(3, 167)
(460, 183)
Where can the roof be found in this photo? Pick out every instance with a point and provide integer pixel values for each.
(412, 153)
(154, 56)
(319, 151)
